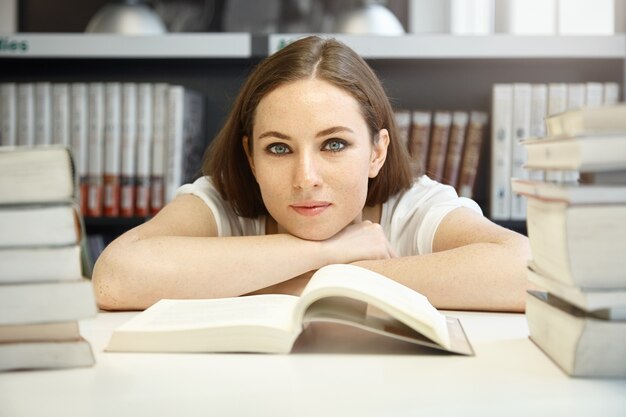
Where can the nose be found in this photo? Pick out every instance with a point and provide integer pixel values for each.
(307, 173)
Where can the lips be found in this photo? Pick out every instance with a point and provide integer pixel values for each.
(310, 208)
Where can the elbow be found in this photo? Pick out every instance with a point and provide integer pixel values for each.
(110, 282)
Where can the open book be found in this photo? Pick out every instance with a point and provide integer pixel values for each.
(271, 323)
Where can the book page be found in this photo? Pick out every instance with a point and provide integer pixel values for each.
(259, 310)
(397, 300)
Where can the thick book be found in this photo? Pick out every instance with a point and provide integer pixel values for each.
(39, 332)
(38, 174)
(580, 344)
(609, 304)
(582, 153)
(579, 244)
(271, 323)
(471, 154)
(46, 302)
(588, 119)
(40, 263)
(39, 225)
(571, 193)
(46, 355)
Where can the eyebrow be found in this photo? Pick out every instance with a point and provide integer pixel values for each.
(325, 132)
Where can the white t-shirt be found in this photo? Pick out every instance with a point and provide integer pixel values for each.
(409, 219)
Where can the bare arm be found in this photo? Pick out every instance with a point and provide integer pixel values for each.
(475, 265)
(177, 255)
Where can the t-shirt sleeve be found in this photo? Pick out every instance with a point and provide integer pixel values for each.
(228, 223)
(416, 215)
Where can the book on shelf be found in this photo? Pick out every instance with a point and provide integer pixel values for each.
(611, 93)
(8, 114)
(454, 153)
(538, 113)
(271, 323)
(580, 343)
(112, 148)
(25, 114)
(145, 102)
(402, 118)
(79, 134)
(440, 132)
(128, 150)
(159, 147)
(608, 303)
(614, 177)
(95, 160)
(501, 145)
(419, 139)
(520, 120)
(36, 175)
(588, 120)
(60, 114)
(185, 140)
(42, 109)
(585, 153)
(471, 153)
(67, 353)
(579, 244)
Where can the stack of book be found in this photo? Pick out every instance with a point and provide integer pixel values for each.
(577, 233)
(43, 292)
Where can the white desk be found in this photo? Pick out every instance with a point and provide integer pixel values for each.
(508, 376)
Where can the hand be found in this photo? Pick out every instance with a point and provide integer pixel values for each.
(358, 242)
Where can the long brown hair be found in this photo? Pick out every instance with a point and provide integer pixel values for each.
(311, 57)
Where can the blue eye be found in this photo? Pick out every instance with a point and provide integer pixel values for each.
(278, 149)
(334, 145)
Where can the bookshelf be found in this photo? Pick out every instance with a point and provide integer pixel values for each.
(419, 71)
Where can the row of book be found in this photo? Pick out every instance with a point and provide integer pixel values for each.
(577, 233)
(445, 145)
(519, 111)
(133, 144)
(43, 289)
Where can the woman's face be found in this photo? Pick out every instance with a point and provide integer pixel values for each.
(312, 157)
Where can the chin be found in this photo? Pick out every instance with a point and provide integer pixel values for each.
(314, 234)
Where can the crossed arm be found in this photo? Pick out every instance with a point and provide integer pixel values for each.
(475, 265)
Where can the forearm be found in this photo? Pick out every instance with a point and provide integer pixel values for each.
(480, 276)
(135, 273)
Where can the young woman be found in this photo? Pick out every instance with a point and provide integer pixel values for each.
(308, 171)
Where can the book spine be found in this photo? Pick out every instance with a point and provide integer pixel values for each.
(538, 113)
(438, 144)
(95, 163)
(501, 142)
(576, 93)
(594, 94)
(129, 149)
(454, 153)
(403, 124)
(8, 115)
(25, 114)
(79, 128)
(420, 139)
(521, 131)
(175, 141)
(144, 148)
(611, 93)
(60, 119)
(193, 134)
(43, 104)
(112, 149)
(160, 129)
(471, 153)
